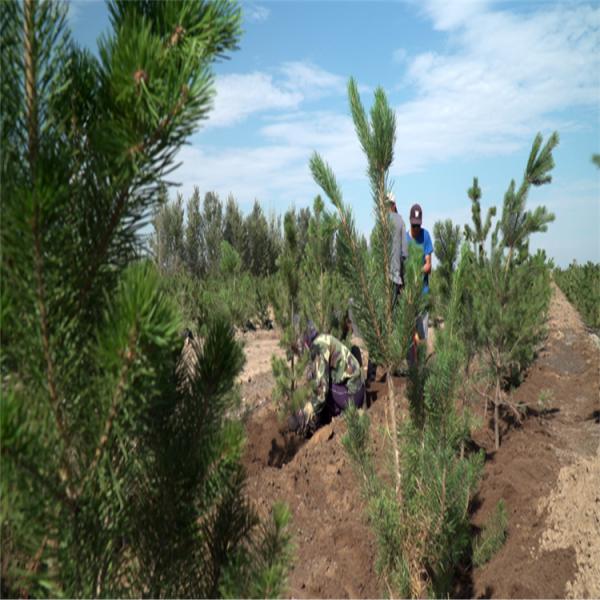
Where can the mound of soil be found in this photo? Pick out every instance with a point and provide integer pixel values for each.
(543, 471)
(574, 522)
(335, 548)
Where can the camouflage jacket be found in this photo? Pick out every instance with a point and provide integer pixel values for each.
(331, 362)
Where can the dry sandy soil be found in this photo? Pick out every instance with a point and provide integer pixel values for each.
(547, 471)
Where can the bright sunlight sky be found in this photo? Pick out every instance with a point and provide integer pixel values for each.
(472, 82)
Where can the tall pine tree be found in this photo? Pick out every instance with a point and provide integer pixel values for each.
(385, 328)
(120, 473)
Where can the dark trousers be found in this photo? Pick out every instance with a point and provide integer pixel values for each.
(339, 398)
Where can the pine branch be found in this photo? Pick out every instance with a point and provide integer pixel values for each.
(31, 102)
(22, 463)
(130, 356)
(325, 178)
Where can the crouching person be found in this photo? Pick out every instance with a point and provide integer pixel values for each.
(336, 379)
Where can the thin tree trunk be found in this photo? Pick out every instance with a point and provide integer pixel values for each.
(496, 416)
(394, 429)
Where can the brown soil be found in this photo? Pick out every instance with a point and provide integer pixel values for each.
(543, 472)
(546, 471)
(335, 549)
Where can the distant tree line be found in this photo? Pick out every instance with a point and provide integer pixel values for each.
(191, 238)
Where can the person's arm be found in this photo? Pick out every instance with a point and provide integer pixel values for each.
(403, 242)
(427, 251)
(321, 381)
(403, 250)
(427, 265)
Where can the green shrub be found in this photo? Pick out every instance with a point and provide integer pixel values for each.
(492, 537)
(581, 285)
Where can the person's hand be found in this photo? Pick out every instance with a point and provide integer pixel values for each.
(297, 422)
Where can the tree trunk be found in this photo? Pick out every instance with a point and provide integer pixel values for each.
(394, 429)
(496, 416)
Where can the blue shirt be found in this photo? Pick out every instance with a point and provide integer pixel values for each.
(423, 240)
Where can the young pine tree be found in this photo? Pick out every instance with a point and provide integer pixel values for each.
(422, 539)
(386, 330)
(289, 393)
(256, 242)
(324, 300)
(478, 235)
(168, 242)
(512, 290)
(195, 251)
(233, 225)
(446, 247)
(120, 473)
(212, 231)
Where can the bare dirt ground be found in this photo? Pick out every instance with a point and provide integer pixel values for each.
(547, 472)
(256, 379)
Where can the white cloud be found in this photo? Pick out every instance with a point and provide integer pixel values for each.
(448, 15)
(311, 80)
(241, 95)
(256, 12)
(505, 77)
(279, 169)
(509, 77)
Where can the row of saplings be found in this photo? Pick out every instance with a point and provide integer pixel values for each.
(492, 296)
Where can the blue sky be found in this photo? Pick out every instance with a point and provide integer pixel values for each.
(472, 82)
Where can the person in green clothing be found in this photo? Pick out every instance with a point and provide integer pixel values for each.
(336, 378)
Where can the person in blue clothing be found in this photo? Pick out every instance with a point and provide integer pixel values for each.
(419, 235)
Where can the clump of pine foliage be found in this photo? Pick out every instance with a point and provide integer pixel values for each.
(120, 470)
(423, 530)
(290, 392)
(492, 536)
(510, 291)
(323, 295)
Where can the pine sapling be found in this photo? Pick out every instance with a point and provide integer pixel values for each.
(492, 537)
(478, 235)
(512, 288)
(289, 392)
(121, 471)
(385, 329)
(323, 296)
(446, 247)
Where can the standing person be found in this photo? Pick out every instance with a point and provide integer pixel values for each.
(336, 378)
(419, 235)
(399, 253)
